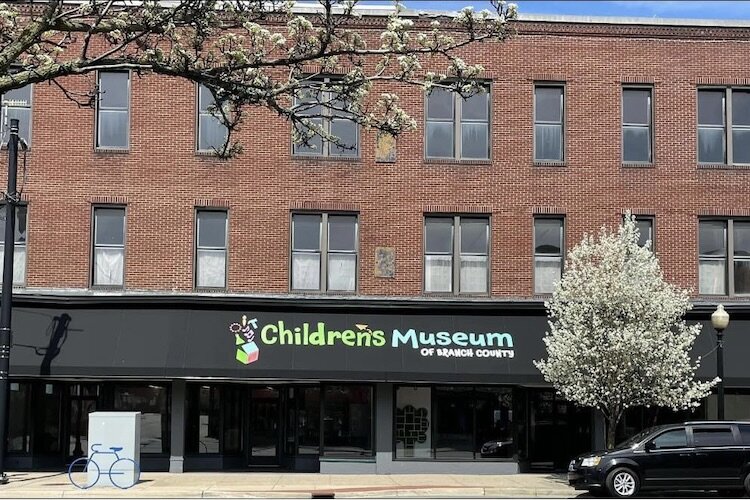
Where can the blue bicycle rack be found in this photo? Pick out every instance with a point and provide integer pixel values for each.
(116, 472)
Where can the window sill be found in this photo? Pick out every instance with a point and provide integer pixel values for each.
(634, 164)
(208, 154)
(208, 289)
(323, 159)
(723, 166)
(456, 161)
(324, 292)
(457, 296)
(107, 288)
(538, 163)
(107, 151)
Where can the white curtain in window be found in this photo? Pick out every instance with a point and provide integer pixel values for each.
(342, 270)
(108, 266)
(547, 272)
(212, 268)
(473, 273)
(306, 271)
(437, 273)
(712, 277)
(19, 264)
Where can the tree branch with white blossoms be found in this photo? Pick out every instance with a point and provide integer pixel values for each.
(617, 335)
(269, 53)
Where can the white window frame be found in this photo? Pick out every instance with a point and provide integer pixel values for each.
(99, 108)
(5, 121)
(123, 246)
(324, 252)
(199, 112)
(197, 248)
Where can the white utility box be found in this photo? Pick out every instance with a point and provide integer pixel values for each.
(115, 448)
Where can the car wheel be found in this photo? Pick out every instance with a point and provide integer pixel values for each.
(623, 483)
(747, 484)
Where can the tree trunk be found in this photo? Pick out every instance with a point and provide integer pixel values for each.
(611, 430)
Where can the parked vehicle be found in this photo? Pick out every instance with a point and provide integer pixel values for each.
(705, 455)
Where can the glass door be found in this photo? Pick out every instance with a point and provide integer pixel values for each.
(558, 430)
(82, 400)
(265, 426)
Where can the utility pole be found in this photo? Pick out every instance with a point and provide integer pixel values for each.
(6, 301)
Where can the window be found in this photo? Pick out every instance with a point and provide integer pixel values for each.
(204, 419)
(636, 125)
(112, 110)
(458, 127)
(549, 113)
(324, 252)
(19, 421)
(712, 436)
(645, 225)
(212, 133)
(308, 420)
(17, 104)
(745, 434)
(716, 109)
(724, 257)
(109, 247)
(153, 403)
(461, 422)
(19, 251)
(347, 420)
(676, 438)
(211, 249)
(548, 253)
(470, 242)
(320, 106)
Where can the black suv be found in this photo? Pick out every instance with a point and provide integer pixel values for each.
(688, 456)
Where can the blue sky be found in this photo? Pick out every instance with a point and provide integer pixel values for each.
(691, 9)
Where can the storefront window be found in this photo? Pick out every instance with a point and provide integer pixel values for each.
(233, 397)
(454, 426)
(308, 420)
(347, 420)
(19, 423)
(494, 421)
(414, 422)
(152, 402)
(48, 403)
(454, 423)
(204, 419)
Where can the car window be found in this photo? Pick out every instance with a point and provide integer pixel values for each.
(676, 438)
(721, 436)
(745, 434)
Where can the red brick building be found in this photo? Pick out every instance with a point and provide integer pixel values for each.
(464, 231)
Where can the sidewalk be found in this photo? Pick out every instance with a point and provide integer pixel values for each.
(294, 485)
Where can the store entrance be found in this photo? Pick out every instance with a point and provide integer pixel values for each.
(265, 431)
(558, 430)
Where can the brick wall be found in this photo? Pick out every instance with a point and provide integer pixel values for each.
(162, 180)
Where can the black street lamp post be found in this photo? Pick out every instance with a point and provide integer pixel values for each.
(720, 321)
(6, 301)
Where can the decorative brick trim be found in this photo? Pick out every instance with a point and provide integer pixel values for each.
(548, 211)
(721, 166)
(108, 200)
(637, 80)
(540, 163)
(325, 206)
(728, 212)
(457, 209)
(550, 77)
(452, 161)
(722, 81)
(211, 203)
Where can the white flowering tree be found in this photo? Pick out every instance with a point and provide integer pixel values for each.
(268, 53)
(617, 336)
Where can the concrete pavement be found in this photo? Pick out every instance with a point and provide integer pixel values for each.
(294, 485)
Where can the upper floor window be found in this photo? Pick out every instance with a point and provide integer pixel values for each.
(467, 238)
(212, 133)
(724, 257)
(549, 119)
(211, 249)
(324, 252)
(19, 252)
(724, 126)
(645, 225)
(637, 125)
(17, 104)
(109, 246)
(319, 104)
(458, 127)
(113, 110)
(548, 253)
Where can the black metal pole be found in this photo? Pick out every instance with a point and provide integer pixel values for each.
(720, 371)
(6, 301)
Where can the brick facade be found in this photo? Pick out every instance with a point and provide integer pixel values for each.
(162, 180)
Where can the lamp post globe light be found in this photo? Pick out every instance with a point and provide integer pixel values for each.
(720, 321)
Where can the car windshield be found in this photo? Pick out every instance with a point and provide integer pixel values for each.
(637, 438)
